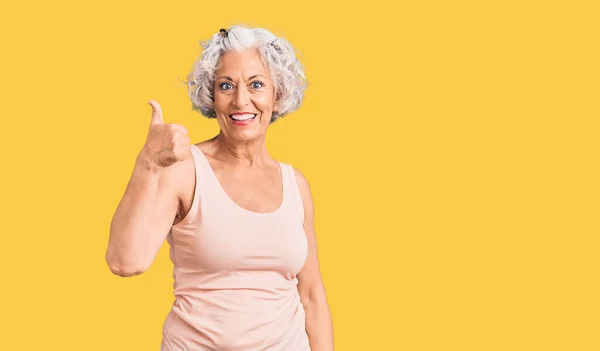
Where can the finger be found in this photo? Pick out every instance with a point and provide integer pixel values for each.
(182, 141)
(185, 153)
(157, 117)
(177, 128)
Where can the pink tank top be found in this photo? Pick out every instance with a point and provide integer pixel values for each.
(235, 270)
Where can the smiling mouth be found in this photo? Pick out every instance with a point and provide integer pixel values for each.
(243, 117)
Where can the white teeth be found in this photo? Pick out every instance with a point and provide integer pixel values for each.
(243, 117)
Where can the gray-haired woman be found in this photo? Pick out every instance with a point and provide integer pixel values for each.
(239, 223)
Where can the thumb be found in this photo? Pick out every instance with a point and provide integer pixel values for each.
(157, 117)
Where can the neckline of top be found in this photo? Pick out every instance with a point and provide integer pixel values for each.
(213, 175)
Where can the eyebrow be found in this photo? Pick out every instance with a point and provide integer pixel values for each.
(254, 76)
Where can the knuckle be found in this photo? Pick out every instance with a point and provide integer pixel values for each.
(182, 129)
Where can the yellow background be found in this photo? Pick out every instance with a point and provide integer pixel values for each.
(452, 148)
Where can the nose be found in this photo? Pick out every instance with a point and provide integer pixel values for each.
(242, 97)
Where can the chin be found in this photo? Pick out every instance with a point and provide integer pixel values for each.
(244, 133)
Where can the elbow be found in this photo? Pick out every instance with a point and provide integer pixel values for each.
(124, 269)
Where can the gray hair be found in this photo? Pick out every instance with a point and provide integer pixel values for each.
(277, 54)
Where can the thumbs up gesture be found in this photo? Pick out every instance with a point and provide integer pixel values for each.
(166, 144)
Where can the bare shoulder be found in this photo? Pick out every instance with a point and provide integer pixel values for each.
(303, 184)
(305, 193)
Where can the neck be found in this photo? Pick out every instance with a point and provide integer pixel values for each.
(248, 154)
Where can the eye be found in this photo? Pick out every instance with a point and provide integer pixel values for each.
(225, 86)
(257, 84)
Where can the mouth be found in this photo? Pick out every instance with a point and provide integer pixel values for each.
(242, 119)
(242, 116)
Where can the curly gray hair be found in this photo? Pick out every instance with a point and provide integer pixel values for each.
(277, 54)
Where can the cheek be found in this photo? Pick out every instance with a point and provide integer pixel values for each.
(264, 102)
(220, 101)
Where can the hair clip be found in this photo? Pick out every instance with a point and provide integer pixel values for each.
(273, 44)
(224, 32)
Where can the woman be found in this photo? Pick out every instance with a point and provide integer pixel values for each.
(239, 223)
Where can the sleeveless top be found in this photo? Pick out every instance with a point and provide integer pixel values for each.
(234, 271)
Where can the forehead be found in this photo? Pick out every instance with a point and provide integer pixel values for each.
(241, 63)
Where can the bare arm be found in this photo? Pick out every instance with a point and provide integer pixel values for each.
(148, 208)
(142, 220)
(319, 325)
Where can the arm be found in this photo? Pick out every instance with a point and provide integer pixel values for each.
(143, 218)
(319, 325)
(148, 208)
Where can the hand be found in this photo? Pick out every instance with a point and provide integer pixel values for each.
(166, 144)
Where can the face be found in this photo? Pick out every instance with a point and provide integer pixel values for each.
(244, 96)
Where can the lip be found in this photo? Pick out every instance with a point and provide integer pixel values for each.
(243, 122)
